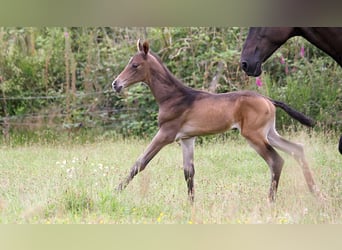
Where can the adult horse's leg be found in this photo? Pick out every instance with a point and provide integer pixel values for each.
(272, 158)
(296, 151)
(161, 139)
(188, 163)
(340, 145)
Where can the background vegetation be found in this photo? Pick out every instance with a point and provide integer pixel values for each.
(64, 148)
(56, 82)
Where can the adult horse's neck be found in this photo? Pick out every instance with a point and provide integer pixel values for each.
(327, 39)
(163, 84)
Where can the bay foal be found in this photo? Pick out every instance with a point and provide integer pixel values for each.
(185, 113)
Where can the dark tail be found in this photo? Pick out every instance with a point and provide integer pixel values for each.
(307, 121)
(340, 145)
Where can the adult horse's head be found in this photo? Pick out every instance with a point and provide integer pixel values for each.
(260, 43)
(135, 71)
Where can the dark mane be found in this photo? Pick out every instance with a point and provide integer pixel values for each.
(169, 79)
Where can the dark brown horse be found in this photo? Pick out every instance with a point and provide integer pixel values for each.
(261, 42)
(185, 113)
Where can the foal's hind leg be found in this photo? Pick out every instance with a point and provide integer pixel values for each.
(297, 151)
(188, 163)
(272, 158)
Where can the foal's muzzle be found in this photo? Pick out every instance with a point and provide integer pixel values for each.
(116, 86)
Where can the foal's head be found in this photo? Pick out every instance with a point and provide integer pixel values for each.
(136, 69)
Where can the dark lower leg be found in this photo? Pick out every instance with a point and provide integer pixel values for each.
(275, 163)
(134, 171)
(275, 176)
(189, 178)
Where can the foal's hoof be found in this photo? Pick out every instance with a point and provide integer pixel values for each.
(191, 200)
(120, 187)
(272, 197)
(321, 197)
(318, 194)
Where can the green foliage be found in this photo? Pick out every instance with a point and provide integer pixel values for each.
(59, 79)
(76, 201)
(311, 84)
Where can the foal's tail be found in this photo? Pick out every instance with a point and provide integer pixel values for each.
(294, 113)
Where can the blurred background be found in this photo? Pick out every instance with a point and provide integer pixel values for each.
(55, 82)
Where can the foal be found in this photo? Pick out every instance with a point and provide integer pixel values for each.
(185, 113)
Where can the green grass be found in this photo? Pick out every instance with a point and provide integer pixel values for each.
(74, 183)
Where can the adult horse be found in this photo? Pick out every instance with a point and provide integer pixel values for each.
(261, 42)
(185, 113)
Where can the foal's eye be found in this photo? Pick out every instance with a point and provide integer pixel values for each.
(135, 65)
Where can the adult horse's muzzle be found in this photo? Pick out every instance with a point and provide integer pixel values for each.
(252, 69)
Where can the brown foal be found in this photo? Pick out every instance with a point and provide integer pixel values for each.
(185, 113)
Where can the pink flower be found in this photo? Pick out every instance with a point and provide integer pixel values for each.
(282, 60)
(258, 81)
(302, 51)
(66, 34)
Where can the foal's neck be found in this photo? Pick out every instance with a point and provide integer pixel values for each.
(163, 84)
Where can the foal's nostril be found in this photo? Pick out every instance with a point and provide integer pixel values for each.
(117, 87)
(114, 84)
(244, 65)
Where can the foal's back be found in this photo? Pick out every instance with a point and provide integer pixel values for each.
(216, 113)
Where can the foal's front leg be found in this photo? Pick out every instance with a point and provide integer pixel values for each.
(160, 140)
(188, 164)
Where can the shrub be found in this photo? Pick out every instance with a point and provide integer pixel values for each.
(60, 78)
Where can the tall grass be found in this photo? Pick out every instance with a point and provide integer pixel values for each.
(75, 183)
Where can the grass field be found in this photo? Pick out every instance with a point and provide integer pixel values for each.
(73, 183)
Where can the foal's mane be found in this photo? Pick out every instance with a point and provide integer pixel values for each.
(189, 94)
(169, 77)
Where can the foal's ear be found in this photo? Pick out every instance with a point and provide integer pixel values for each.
(146, 47)
(139, 46)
